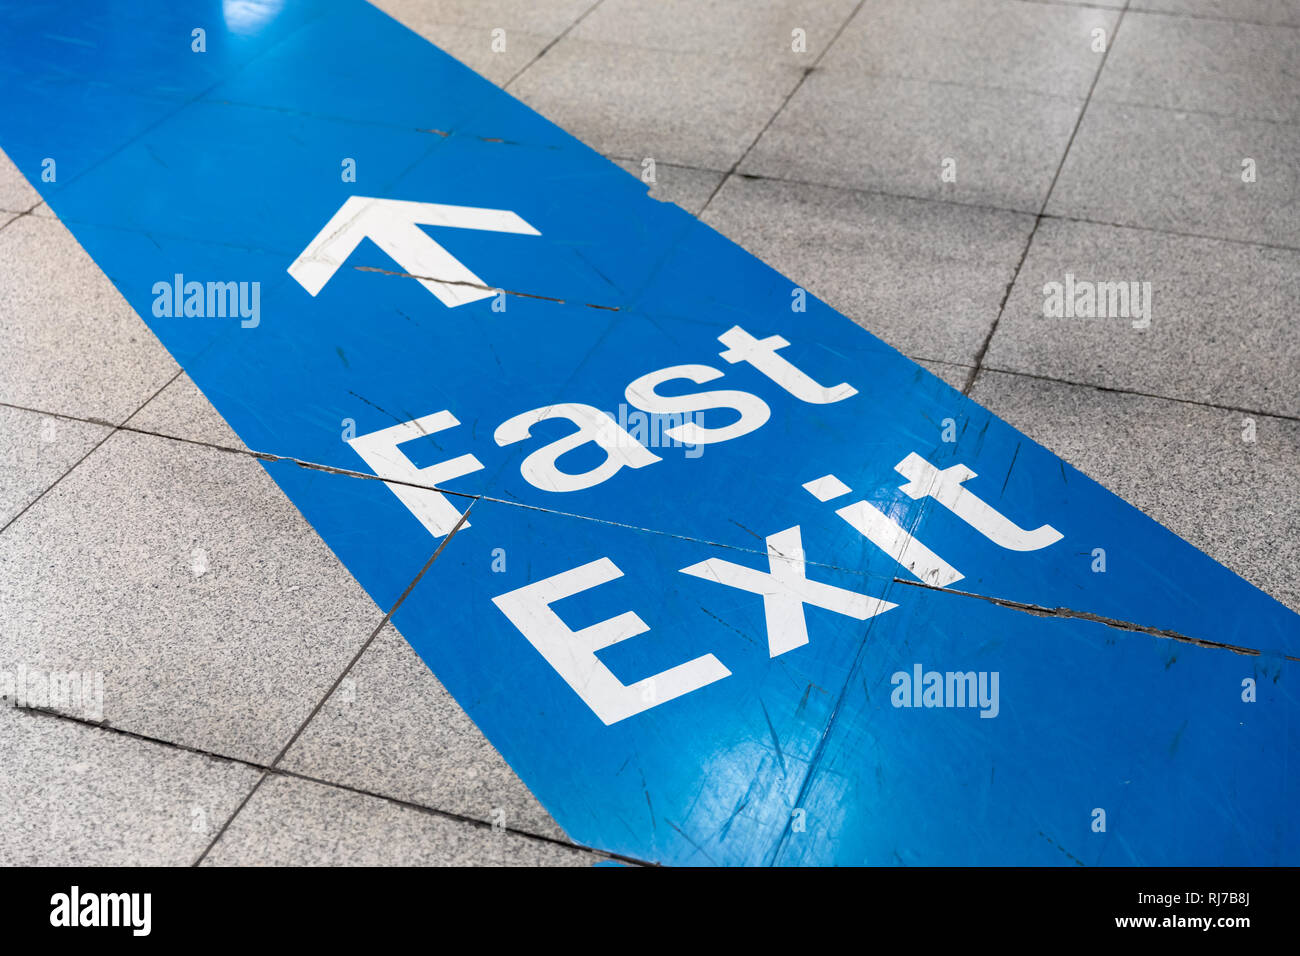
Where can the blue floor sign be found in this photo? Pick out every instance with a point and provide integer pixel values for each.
(738, 582)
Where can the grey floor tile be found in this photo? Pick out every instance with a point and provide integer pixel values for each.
(1221, 329)
(1257, 11)
(181, 411)
(761, 28)
(926, 277)
(550, 17)
(73, 795)
(182, 574)
(1187, 466)
(1006, 44)
(71, 343)
(894, 135)
(687, 187)
(35, 450)
(16, 193)
(1140, 166)
(44, 211)
(692, 109)
(390, 728)
(1242, 70)
(292, 822)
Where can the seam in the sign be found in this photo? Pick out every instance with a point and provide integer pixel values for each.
(269, 770)
(675, 240)
(481, 286)
(753, 177)
(273, 767)
(814, 762)
(1066, 613)
(1036, 610)
(380, 124)
(761, 178)
(348, 473)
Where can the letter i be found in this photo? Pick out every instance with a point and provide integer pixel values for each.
(886, 534)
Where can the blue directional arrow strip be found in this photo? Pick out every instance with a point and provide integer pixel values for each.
(731, 580)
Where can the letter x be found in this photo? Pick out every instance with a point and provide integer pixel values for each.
(785, 590)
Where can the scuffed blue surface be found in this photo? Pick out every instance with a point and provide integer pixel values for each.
(224, 165)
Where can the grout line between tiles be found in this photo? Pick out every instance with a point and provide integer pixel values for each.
(269, 770)
(944, 201)
(1181, 15)
(1172, 14)
(338, 680)
(1065, 155)
(780, 109)
(1280, 416)
(115, 429)
(546, 49)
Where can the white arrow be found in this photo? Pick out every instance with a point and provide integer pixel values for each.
(394, 226)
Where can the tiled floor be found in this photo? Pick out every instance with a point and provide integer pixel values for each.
(925, 166)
